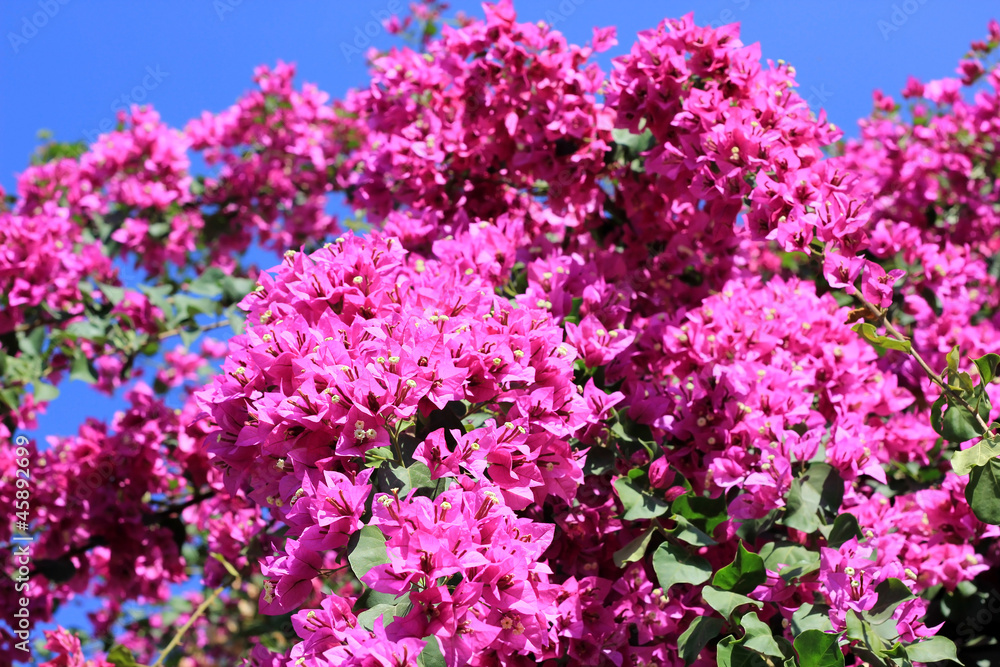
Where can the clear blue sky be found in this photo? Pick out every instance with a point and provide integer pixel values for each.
(65, 64)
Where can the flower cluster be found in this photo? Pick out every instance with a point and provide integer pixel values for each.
(629, 371)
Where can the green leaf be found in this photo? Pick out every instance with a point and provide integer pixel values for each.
(81, 369)
(934, 649)
(639, 503)
(634, 550)
(674, 565)
(811, 617)
(869, 333)
(696, 637)
(94, 329)
(189, 336)
(188, 306)
(687, 532)
(789, 560)
(209, 283)
(387, 610)
(45, 392)
(431, 656)
(600, 461)
(818, 649)
(952, 359)
(758, 636)
(960, 424)
(725, 602)
(158, 230)
(113, 294)
(11, 397)
(32, 342)
(845, 526)
(731, 652)
(234, 288)
(988, 364)
(820, 488)
(965, 382)
(936, 414)
(119, 656)
(983, 492)
(871, 645)
(368, 550)
(376, 456)
(962, 462)
(635, 143)
(705, 513)
(237, 320)
(891, 593)
(744, 574)
(415, 476)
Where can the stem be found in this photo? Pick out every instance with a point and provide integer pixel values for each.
(935, 378)
(187, 626)
(819, 253)
(201, 329)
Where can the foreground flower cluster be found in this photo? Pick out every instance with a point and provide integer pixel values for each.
(639, 369)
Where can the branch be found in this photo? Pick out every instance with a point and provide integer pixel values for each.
(187, 626)
(882, 316)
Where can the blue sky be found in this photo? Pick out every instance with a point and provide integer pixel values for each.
(66, 65)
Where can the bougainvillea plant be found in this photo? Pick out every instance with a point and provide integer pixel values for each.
(648, 367)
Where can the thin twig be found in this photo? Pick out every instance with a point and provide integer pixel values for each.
(883, 318)
(187, 626)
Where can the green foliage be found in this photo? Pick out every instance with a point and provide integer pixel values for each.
(758, 636)
(628, 148)
(704, 513)
(746, 652)
(789, 560)
(691, 642)
(639, 503)
(366, 550)
(933, 649)
(812, 497)
(431, 656)
(980, 454)
(726, 602)
(845, 527)
(387, 610)
(983, 492)
(120, 656)
(818, 649)
(635, 549)
(744, 574)
(392, 476)
(687, 532)
(869, 333)
(675, 565)
(811, 617)
(966, 406)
